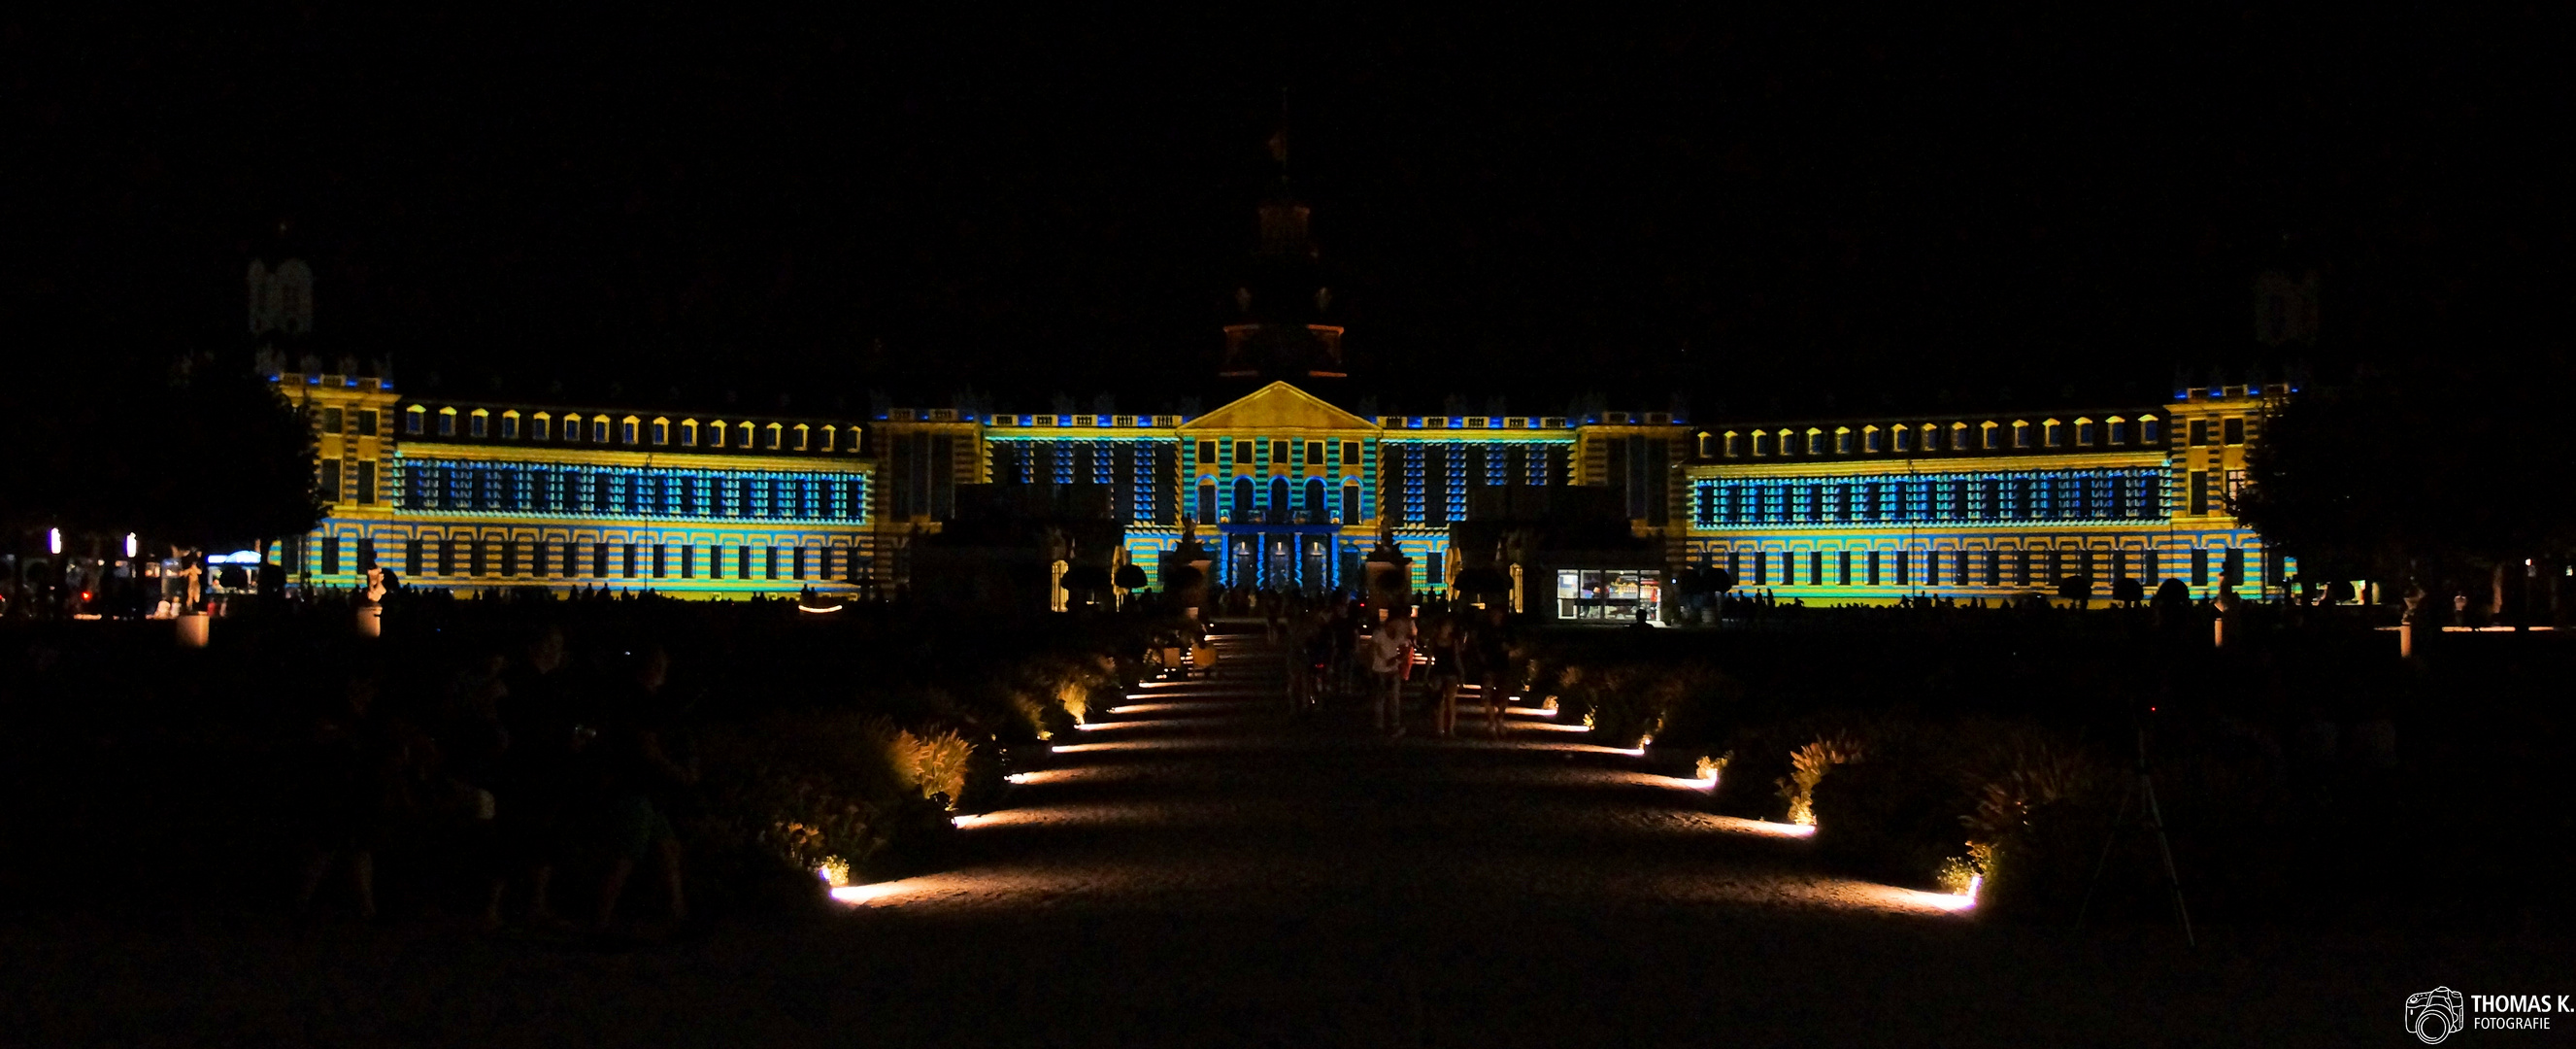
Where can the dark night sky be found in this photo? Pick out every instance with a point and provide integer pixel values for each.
(1758, 215)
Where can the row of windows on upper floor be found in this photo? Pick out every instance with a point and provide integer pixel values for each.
(2019, 435)
(605, 429)
(1212, 454)
(427, 485)
(2013, 496)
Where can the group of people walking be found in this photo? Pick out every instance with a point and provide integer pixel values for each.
(1393, 658)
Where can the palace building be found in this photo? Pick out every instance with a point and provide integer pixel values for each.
(1283, 487)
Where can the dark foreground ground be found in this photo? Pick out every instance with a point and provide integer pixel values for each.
(1201, 871)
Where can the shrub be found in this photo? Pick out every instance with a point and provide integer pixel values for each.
(930, 766)
(1807, 767)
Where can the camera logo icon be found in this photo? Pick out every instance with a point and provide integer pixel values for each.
(2434, 1014)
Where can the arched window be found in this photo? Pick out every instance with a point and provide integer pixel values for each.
(510, 426)
(661, 431)
(1316, 511)
(744, 432)
(1279, 509)
(688, 433)
(479, 424)
(412, 417)
(1243, 508)
(1207, 503)
(626, 429)
(774, 431)
(541, 426)
(447, 422)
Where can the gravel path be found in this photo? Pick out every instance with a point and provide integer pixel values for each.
(1201, 870)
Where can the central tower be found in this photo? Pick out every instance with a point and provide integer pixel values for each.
(1282, 302)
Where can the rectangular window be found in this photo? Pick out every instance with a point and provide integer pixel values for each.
(2232, 568)
(1314, 453)
(1761, 568)
(510, 427)
(1816, 568)
(773, 563)
(366, 480)
(474, 551)
(2199, 489)
(2199, 432)
(742, 562)
(1873, 568)
(1845, 575)
(599, 560)
(1788, 568)
(411, 557)
(599, 429)
(367, 422)
(1279, 454)
(1994, 568)
(447, 555)
(1350, 453)
(2150, 432)
(2119, 432)
(366, 555)
(2233, 430)
(661, 567)
(2200, 568)
(1207, 453)
(331, 420)
(509, 557)
(661, 431)
(688, 561)
(478, 423)
(1904, 568)
(1242, 453)
(1351, 504)
(330, 555)
(540, 558)
(540, 427)
(411, 421)
(327, 482)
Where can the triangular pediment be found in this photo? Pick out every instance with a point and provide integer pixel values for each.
(1279, 406)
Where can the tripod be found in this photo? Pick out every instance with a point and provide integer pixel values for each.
(2143, 785)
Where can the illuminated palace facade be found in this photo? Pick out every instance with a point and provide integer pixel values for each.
(1286, 491)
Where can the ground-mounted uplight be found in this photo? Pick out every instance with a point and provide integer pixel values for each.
(858, 894)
